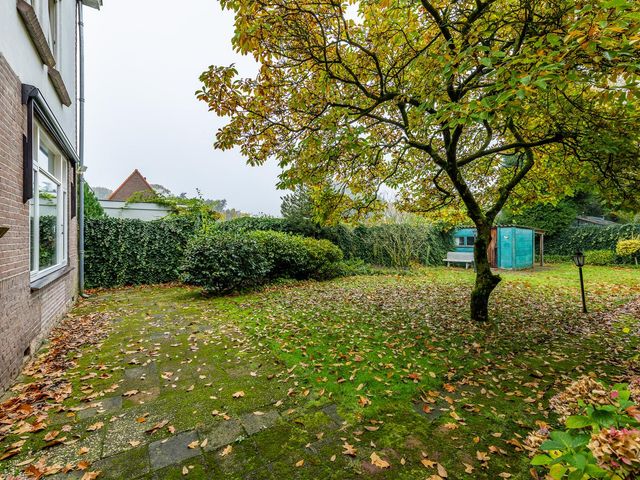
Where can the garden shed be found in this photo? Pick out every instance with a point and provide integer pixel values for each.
(512, 247)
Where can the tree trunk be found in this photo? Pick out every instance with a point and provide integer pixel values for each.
(486, 281)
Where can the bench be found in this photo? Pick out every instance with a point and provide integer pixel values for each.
(460, 257)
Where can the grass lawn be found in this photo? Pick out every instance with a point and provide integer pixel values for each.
(318, 380)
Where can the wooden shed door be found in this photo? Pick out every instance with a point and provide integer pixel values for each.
(493, 248)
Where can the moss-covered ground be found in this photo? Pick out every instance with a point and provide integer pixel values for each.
(381, 376)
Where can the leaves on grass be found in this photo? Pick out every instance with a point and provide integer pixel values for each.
(379, 462)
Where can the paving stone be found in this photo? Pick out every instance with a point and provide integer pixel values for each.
(254, 423)
(174, 450)
(105, 405)
(226, 432)
(130, 464)
(145, 395)
(126, 428)
(332, 412)
(68, 452)
(146, 373)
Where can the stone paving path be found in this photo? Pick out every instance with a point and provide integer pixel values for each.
(169, 397)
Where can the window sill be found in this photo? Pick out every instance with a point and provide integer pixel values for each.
(40, 283)
(58, 85)
(38, 37)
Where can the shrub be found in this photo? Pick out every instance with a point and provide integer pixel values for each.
(392, 244)
(600, 437)
(224, 262)
(249, 224)
(287, 253)
(323, 259)
(555, 258)
(132, 252)
(600, 257)
(629, 248)
(553, 219)
(227, 261)
(590, 238)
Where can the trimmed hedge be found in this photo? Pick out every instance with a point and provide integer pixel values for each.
(133, 252)
(227, 261)
(589, 238)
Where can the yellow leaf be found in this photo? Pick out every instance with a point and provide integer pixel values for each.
(379, 462)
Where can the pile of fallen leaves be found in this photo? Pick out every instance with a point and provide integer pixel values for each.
(27, 411)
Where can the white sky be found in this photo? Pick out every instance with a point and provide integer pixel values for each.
(143, 60)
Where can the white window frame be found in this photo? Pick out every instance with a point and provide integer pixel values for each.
(40, 137)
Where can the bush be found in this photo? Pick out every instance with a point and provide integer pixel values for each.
(225, 262)
(590, 238)
(323, 259)
(249, 224)
(395, 245)
(629, 248)
(553, 219)
(600, 257)
(287, 253)
(554, 258)
(132, 252)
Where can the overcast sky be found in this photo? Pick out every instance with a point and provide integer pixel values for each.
(143, 60)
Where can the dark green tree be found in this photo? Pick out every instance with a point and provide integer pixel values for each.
(92, 207)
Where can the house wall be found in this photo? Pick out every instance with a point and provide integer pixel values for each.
(19, 52)
(137, 211)
(27, 315)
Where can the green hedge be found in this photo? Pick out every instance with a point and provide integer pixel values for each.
(132, 252)
(392, 245)
(389, 245)
(589, 238)
(226, 261)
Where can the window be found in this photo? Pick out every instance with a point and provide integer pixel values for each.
(53, 27)
(48, 207)
(465, 241)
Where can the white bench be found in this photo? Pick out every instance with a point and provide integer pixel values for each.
(460, 257)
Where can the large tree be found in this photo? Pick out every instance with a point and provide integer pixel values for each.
(457, 105)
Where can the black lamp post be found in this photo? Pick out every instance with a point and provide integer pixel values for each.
(578, 259)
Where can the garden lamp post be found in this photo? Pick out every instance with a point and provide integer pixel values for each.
(578, 259)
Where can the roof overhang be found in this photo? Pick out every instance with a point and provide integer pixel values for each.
(93, 3)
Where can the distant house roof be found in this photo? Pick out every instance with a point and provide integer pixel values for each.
(135, 183)
(594, 220)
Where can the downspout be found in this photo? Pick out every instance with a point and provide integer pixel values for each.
(81, 167)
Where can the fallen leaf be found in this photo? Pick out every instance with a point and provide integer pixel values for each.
(91, 475)
(226, 451)
(379, 462)
(349, 450)
(299, 463)
(95, 426)
(238, 394)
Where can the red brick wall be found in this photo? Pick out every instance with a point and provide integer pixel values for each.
(26, 317)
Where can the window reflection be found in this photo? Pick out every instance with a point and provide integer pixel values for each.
(48, 207)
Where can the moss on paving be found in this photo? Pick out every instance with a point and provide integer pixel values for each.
(388, 364)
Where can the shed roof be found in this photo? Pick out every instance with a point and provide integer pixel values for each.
(594, 220)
